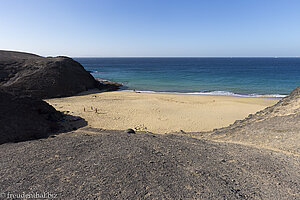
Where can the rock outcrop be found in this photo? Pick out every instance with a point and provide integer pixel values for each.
(26, 118)
(25, 79)
(108, 85)
(26, 74)
(276, 127)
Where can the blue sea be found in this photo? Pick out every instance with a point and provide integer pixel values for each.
(261, 77)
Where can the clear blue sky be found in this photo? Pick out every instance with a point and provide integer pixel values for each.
(151, 27)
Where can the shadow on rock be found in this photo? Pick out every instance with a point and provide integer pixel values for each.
(71, 123)
(23, 119)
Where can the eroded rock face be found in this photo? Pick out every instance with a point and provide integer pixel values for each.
(24, 119)
(26, 74)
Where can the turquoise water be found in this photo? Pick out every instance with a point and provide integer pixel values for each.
(219, 76)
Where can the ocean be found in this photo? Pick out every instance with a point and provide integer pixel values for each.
(254, 77)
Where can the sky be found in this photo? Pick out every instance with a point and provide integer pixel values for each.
(138, 28)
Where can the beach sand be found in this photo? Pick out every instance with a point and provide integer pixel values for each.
(158, 113)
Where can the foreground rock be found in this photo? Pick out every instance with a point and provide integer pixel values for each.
(25, 118)
(130, 131)
(26, 74)
(90, 164)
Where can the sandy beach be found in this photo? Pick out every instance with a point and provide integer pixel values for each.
(158, 113)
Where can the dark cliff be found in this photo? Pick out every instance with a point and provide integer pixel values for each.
(26, 74)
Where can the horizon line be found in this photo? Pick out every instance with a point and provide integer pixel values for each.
(184, 56)
(96, 56)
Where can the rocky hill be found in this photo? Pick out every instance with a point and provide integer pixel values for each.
(24, 74)
(276, 127)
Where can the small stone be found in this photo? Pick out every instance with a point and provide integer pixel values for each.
(130, 131)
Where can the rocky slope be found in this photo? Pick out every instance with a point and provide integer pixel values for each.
(276, 127)
(25, 118)
(95, 164)
(26, 74)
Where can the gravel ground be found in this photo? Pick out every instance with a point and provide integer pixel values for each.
(97, 164)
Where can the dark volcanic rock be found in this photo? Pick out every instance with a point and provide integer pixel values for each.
(26, 74)
(130, 131)
(25, 118)
(108, 85)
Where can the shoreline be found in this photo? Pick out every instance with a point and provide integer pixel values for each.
(156, 112)
(212, 93)
(119, 86)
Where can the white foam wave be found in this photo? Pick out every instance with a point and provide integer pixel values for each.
(215, 93)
